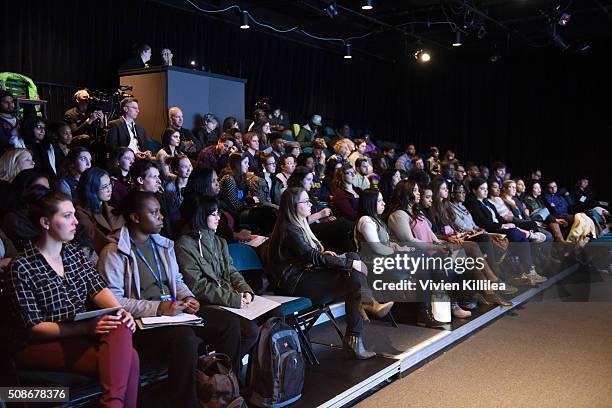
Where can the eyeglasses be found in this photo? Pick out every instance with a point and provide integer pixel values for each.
(106, 187)
(215, 213)
(305, 202)
(40, 127)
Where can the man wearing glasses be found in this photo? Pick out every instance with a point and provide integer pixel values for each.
(125, 132)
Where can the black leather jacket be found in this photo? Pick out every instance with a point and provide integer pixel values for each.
(290, 257)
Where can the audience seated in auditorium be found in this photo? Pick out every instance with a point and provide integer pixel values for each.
(181, 166)
(171, 140)
(362, 170)
(125, 132)
(204, 182)
(262, 182)
(358, 153)
(251, 141)
(293, 148)
(209, 270)
(372, 240)
(61, 138)
(230, 123)
(77, 161)
(404, 162)
(121, 178)
(235, 185)
(279, 185)
(309, 132)
(85, 122)
(498, 173)
(388, 180)
(27, 187)
(146, 177)
(262, 130)
(142, 272)
(13, 162)
(94, 214)
(42, 307)
(486, 216)
(206, 134)
(10, 132)
(300, 266)
(279, 120)
(39, 142)
(175, 121)
(345, 195)
(433, 162)
(277, 143)
(216, 156)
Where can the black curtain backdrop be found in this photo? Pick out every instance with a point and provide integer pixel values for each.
(536, 108)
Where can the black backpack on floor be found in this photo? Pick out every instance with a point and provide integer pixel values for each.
(276, 366)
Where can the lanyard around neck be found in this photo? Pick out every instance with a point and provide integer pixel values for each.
(158, 277)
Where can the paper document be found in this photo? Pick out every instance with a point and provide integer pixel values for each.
(95, 313)
(256, 240)
(145, 323)
(256, 308)
(280, 299)
(179, 318)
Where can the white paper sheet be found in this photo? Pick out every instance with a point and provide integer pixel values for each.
(257, 241)
(256, 308)
(179, 318)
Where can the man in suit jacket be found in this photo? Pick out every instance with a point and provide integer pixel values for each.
(125, 132)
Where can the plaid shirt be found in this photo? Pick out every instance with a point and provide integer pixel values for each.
(38, 294)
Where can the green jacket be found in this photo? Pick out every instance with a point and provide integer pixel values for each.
(208, 269)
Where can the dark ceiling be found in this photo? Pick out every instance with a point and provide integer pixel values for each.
(396, 28)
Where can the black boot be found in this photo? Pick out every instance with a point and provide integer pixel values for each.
(426, 319)
(354, 348)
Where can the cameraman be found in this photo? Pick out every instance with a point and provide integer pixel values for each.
(83, 119)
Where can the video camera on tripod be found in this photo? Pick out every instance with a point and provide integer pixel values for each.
(107, 102)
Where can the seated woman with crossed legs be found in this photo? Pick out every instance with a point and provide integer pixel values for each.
(47, 285)
(300, 266)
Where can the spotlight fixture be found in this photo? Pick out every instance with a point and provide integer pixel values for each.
(332, 9)
(457, 42)
(564, 19)
(192, 64)
(245, 20)
(347, 53)
(367, 5)
(422, 56)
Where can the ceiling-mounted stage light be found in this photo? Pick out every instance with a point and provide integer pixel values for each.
(332, 9)
(347, 52)
(457, 42)
(367, 5)
(245, 20)
(422, 56)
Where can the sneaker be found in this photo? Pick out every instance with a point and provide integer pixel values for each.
(533, 277)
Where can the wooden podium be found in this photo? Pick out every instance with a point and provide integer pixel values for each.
(195, 92)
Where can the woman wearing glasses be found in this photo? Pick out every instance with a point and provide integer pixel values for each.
(94, 214)
(300, 266)
(346, 196)
(208, 268)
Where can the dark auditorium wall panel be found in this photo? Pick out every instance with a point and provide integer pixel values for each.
(537, 107)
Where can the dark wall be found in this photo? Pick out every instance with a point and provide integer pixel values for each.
(537, 107)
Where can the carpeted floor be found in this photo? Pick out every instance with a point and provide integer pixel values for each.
(550, 353)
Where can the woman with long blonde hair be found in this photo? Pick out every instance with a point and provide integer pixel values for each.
(300, 266)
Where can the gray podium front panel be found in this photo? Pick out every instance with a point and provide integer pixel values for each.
(195, 92)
